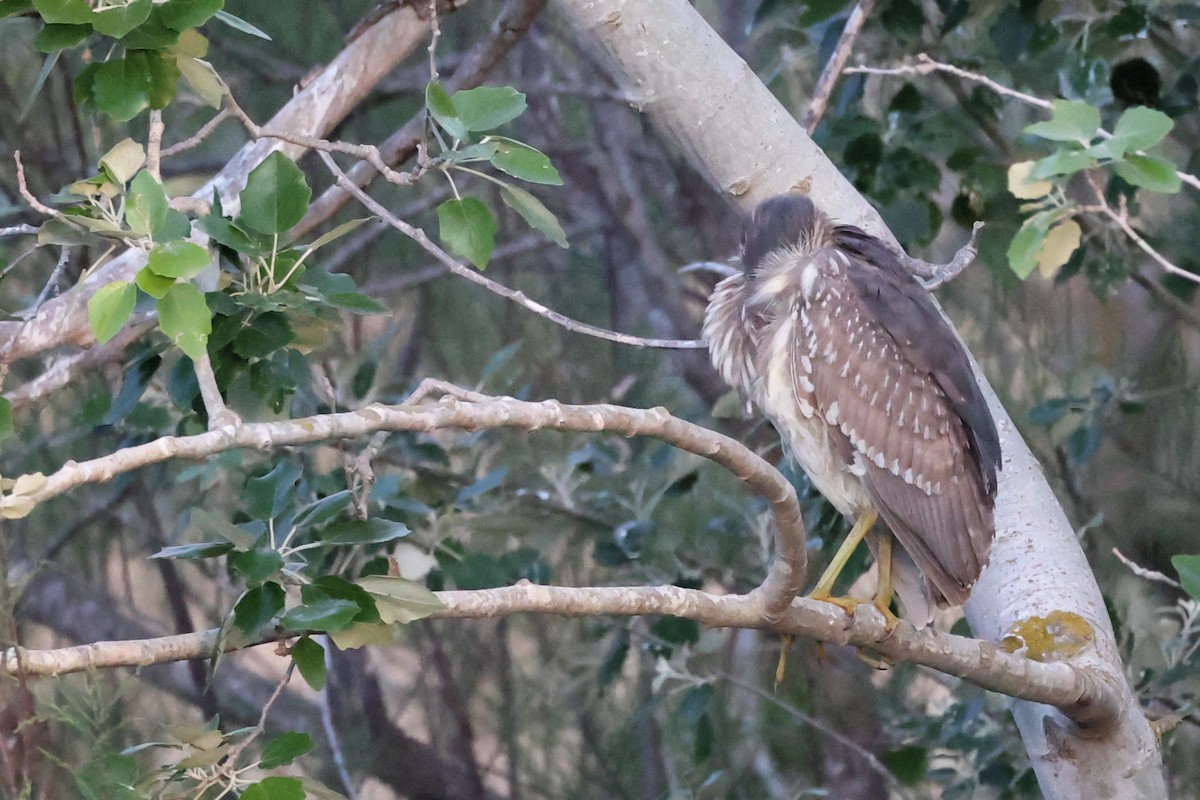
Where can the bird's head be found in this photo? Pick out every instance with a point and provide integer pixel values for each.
(785, 222)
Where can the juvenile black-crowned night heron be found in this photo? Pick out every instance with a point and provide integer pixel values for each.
(871, 392)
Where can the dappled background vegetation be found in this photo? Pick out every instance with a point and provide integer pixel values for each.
(1096, 359)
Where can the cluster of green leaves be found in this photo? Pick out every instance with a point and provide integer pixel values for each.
(466, 226)
(263, 305)
(198, 758)
(149, 46)
(1049, 237)
(287, 544)
(1076, 422)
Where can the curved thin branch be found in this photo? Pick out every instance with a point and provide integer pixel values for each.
(783, 581)
(518, 297)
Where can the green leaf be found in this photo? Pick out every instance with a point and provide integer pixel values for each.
(468, 229)
(178, 260)
(1141, 128)
(203, 79)
(336, 233)
(364, 634)
(55, 37)
(310, 660)
(10, 7)
(185, 319)
(323, 510)
(109, 309)
(151, 34)
(164, 78)
(536, 214)
(118, 20)
(1072, 121)
(258, 607)
(332, 587)
(266, 334)
(205, 523)
(109, 777)
(475, 152)
(195, 551)
(71, 12)
(909, 764)
(6, 420)
(364, 531)
(121, 86)
(225, 231)
(154, 285)
(1188, 567)
(1025, 246)
(180, 15)
(276, 195)
(1062, 162)
(1149, 172)
(266, 496)
(257, 565)
(284, 749)
(239, 24)
(124, 160)
(488, 107)
(146, 207)
(275, 788)
(442, 109)
(522, 161)
(399, 600)
(328, 614)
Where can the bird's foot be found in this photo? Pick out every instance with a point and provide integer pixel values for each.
(847, 604)
(890, 620)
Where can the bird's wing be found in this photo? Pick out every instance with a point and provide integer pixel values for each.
(909, 315)
(897, 428)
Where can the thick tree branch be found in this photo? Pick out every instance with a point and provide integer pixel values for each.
(1082, 694)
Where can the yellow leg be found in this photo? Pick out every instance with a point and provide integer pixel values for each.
(781, 667)
(883, 594)
(824, 587)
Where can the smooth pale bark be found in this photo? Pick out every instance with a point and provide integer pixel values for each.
(706, 100)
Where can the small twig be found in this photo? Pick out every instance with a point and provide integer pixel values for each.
(935, 275)
(23, 187)
(154, 145)
(452, 264)
(365, 152)
(927, 66)
(1144, 572)
(199, 136)
(1121, 220)
(825, 728)
(18, 230)
(837, 61)
(219, 415)
(435, 34)
(327, 724)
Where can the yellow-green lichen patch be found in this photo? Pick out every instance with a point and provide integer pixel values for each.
(1054, 637)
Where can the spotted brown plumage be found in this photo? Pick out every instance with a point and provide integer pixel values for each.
(869, 388)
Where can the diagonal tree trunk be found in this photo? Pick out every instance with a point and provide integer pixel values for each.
(706, 100)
